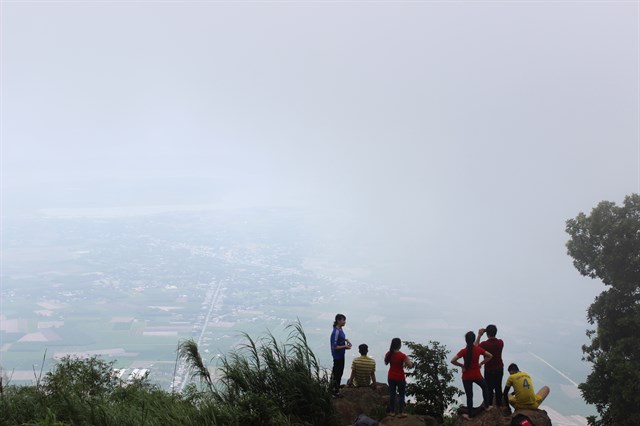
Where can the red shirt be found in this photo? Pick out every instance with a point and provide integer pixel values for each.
(494, 347)
(472, 372)
(396, 366)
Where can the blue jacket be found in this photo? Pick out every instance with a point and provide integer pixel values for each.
(337, 339)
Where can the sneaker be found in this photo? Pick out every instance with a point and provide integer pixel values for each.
(402, 415)
(392, 414)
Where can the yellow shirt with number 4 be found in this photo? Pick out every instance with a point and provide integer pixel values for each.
(523, 388)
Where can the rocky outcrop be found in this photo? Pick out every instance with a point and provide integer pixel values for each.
(538, 417)
(498, 417)
(373, 403)
(356, 401)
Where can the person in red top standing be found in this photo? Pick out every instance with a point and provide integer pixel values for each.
(471, 371)
(397, 361)
(494, 369)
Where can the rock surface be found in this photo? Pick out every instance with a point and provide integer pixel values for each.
(356, 401)
(498, 417)
(373, 403)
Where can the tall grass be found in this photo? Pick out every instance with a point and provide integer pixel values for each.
(269, 382)
(188, 352)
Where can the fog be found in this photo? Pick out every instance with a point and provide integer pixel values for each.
(442, 145)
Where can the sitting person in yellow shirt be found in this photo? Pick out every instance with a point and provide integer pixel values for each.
(363, 369)
(523, 397)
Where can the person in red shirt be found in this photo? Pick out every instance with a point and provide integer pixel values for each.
(471, 371)
(494, 369)
(397, 361)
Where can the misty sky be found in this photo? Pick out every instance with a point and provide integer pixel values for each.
(451, 139)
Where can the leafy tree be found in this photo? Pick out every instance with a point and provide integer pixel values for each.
(432, 377)
(606, 245)
(84, 378)
(76, 384)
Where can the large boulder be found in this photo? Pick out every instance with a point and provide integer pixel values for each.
(538, 417)
(373, 403)
(498, 417)
(355, 401)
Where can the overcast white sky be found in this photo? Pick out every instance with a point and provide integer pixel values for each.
(453, 138)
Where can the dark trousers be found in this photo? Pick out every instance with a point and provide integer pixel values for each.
(494, 383)
(468, 390)
(401, 386)
(336, 374)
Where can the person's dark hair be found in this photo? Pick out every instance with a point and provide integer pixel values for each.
(363, 349)
(470, 338)
(338, 318)
(513, 368)
(491, 330)
(395, 346)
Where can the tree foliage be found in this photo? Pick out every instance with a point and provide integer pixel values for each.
(605, 245)
(431, 385)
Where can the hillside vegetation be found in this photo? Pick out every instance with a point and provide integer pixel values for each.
(263, 382)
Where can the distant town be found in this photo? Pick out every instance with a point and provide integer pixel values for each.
(130, 289)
